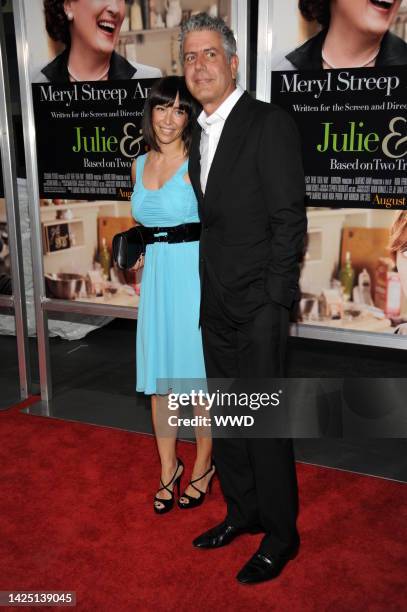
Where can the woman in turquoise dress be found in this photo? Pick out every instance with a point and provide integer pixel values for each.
(169, 345)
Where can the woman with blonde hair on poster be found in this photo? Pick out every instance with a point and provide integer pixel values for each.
(354, 34)
(90, 30)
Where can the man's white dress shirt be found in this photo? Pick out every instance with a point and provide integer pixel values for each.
(212, 127)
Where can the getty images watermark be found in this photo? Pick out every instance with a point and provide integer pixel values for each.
(219, 399)
(282, 408)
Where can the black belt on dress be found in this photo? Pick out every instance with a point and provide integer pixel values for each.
(186, 232)
(127, 247)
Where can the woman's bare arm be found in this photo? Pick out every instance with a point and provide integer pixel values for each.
(140, 262)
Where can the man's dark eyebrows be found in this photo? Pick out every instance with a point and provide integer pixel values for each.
(203, 50)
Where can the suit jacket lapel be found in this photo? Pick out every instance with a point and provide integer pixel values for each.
(230, 143)
(194, 167)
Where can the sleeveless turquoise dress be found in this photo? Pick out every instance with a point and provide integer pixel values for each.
(169, 343)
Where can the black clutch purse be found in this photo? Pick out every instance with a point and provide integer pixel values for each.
(127, 247)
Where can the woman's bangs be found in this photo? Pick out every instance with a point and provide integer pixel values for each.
(167, 91)
(163, 98)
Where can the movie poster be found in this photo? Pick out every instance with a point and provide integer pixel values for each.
(88, 103)
(92, 64)
(340, 69)
(88, 133)
(349, 102)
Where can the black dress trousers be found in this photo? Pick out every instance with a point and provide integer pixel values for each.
(257, 476)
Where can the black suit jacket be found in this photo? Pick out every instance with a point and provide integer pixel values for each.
(253, 212)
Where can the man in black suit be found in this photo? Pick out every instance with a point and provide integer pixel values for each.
(246, 170)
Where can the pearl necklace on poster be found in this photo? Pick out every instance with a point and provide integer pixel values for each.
(101, 77)
(369, 61)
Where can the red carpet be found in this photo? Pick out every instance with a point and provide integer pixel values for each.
(76, 514)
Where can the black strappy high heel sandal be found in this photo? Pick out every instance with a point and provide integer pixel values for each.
(167, 504)
(194, 502)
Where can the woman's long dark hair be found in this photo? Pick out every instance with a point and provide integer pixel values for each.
(319, 10)
(56, 21)
(163, 93)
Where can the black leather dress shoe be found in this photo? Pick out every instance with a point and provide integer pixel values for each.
(217, 536)
(264, 566)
